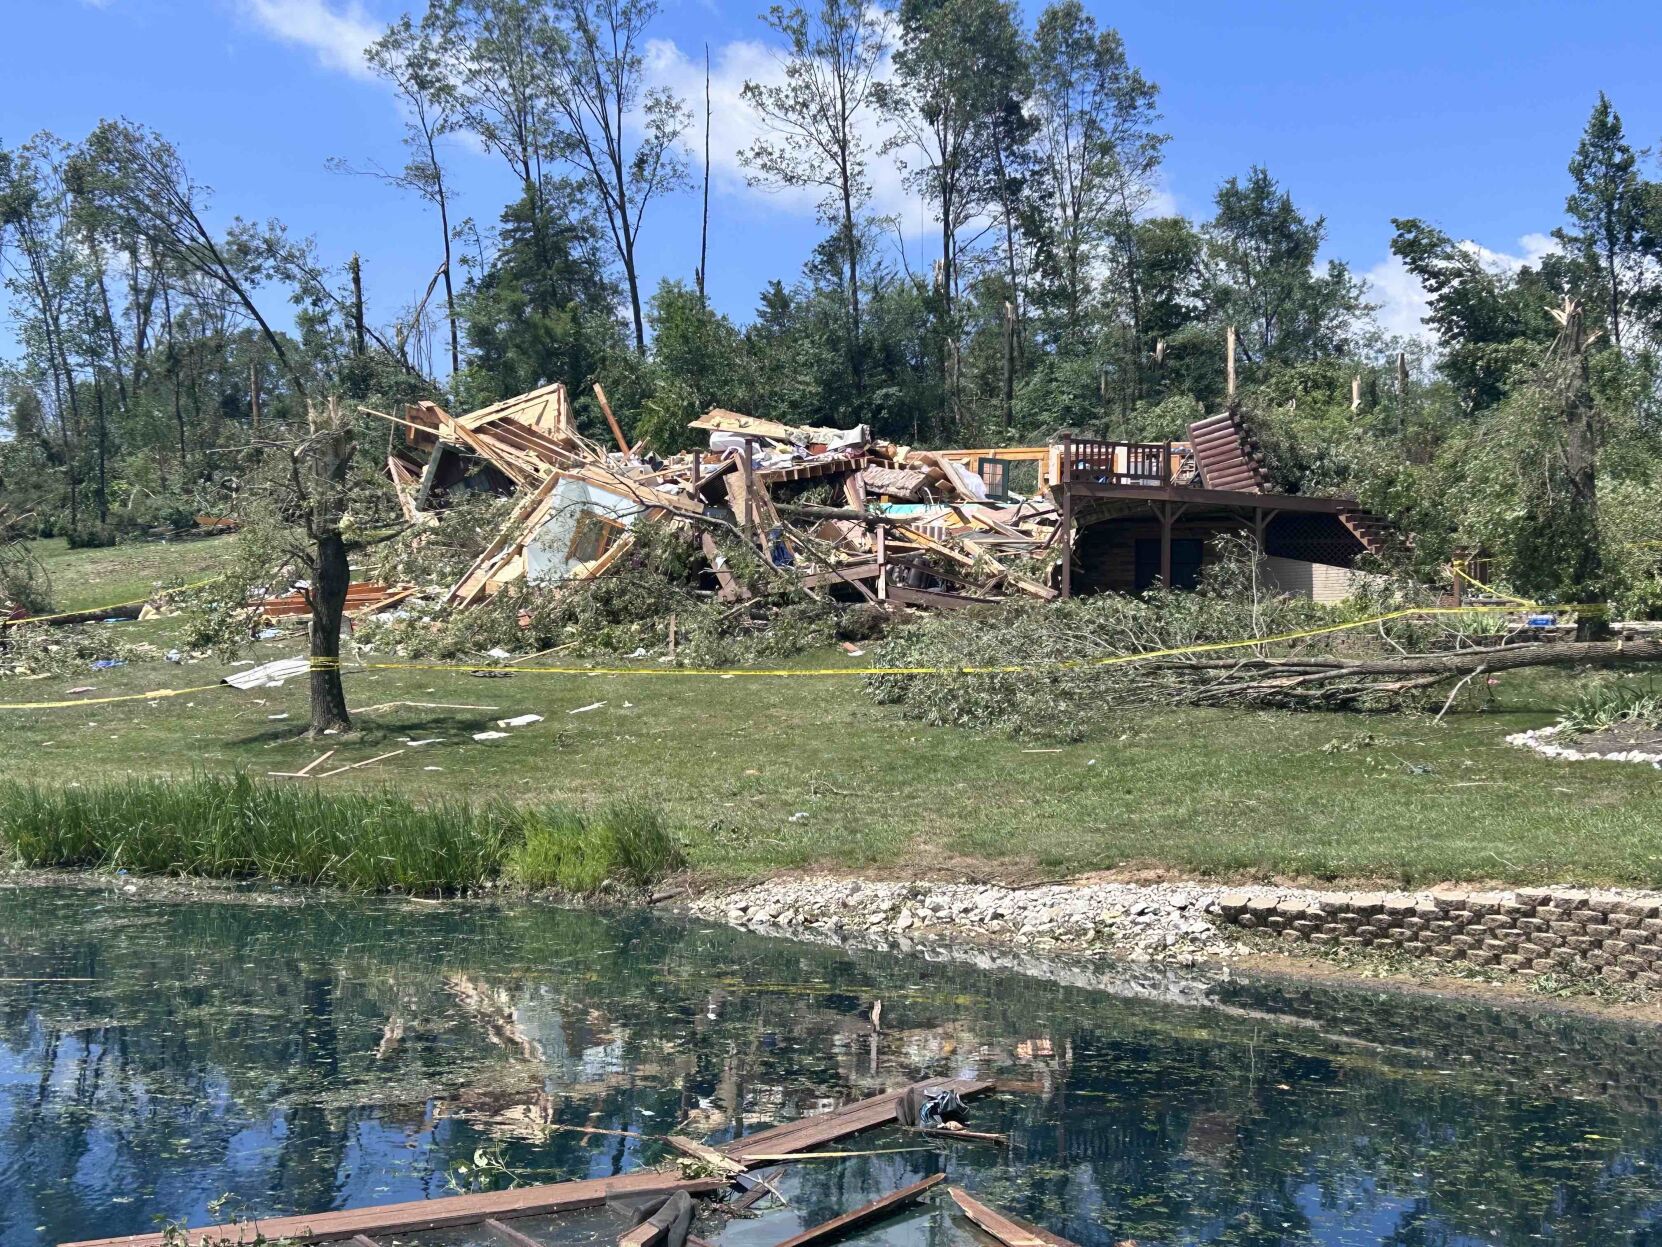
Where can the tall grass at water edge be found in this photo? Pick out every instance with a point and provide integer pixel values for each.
(232, 827)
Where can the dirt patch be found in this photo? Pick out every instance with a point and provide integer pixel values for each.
(1625, 738)
(1628, 742)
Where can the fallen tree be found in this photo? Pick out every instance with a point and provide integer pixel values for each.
(1061, 668)
(1337, 682)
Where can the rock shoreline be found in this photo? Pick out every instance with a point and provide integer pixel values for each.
(1614, 935)
(1173, 923)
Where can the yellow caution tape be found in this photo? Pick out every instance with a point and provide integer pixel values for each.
(730, 673)
(1460, 570)
(1064, 664)
(108, 606)
(153, 695)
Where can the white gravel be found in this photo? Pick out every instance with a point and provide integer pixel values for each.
(1540, 740)
(1172, 923)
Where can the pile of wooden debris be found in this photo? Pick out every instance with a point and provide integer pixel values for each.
(845, 514)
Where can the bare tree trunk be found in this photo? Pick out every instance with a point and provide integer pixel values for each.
(328, 599)
(850, 245)
(1333, 683)
(103, 451)
(1009, 395)
(1581, 466)
(704, 232)
(358, 344)
(329, 457)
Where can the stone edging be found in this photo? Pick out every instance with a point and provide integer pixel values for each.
(1566, 932)
(1528, 932)
(1540, 740)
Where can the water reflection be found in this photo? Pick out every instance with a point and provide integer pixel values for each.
(165, 1060)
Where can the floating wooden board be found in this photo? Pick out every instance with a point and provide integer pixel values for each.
(1010, 1231)
(811, 1132)
(865, 1214)
(423, 1214)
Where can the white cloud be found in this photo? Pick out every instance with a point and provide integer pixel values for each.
(1402, 300)
(1533, 248)
(336, 34)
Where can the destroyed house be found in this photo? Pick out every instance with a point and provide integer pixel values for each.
(860, 519)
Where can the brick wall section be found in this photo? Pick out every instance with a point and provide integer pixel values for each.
(1568, 933)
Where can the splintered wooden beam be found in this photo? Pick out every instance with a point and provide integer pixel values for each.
(808, 1133)
(509, 1235)
(970, 1136)
(866, 1213)
(611, 420)
(708, 1155)
(418, 1216)
(1006, 1229)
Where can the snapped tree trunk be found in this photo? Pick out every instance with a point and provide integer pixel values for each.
(328, 458)
(328, 594)
(1586, 576)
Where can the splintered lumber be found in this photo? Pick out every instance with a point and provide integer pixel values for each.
(653, 1231)
(866, 1213)
(969, 1136)
(421, 1215)
(611, 420)
(1006, 1229)
(731, 589)
(808, 1133)
(708, 1155)
(908, 596)
(353, 766)
(507, 1234)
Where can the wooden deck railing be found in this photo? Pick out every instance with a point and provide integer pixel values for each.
(1116, 463)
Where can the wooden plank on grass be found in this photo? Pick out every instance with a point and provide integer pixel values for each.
(866, 1213)
(315, 763)
(1010, 1231)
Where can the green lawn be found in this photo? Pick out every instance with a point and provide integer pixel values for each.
(82, 579)
(732, 761)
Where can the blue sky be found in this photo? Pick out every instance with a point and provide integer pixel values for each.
(1465, 114)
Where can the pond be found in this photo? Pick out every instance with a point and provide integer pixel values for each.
(207, 1060)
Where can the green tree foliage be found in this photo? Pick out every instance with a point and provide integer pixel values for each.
(152, 363)
(541, 311)
(1606, 211)
(1262, 252)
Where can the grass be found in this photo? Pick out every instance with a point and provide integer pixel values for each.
(758, 775)
(83, 579)
(626, 842)
(1602, 706)
(230, 827)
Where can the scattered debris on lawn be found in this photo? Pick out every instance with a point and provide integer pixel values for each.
(268, 675)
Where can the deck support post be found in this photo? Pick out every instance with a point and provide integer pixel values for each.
(881, 536)
(1261, 519)
(1067, 539)
(1165, 546)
